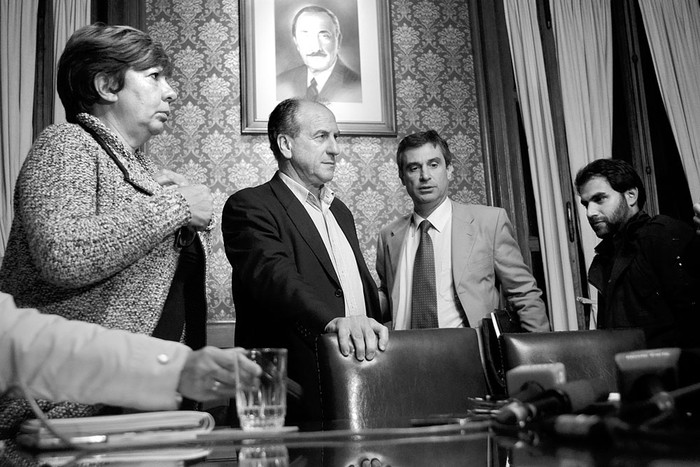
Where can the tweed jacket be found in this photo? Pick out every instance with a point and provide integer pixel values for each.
(93, 239)
(90, 241)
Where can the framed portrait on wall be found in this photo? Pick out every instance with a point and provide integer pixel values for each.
(337, 52)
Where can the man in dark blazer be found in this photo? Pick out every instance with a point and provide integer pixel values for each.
(323, 76)
(297, 266)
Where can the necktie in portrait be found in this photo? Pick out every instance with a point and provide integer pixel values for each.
(312, 90)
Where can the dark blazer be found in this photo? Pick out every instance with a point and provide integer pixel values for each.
(648, 276)
(285, 288)
(343, 85)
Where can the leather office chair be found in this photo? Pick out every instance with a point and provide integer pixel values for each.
(585, 354)
(421, 373)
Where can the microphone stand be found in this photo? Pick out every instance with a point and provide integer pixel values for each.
(632, 423)
(658, 407)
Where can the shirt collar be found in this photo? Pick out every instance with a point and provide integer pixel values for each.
(321, 77)
(438, 218)
(304, 195)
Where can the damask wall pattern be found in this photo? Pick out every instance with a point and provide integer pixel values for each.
(434, 85)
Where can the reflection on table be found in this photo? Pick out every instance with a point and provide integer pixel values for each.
(471, 443)
(451, 444)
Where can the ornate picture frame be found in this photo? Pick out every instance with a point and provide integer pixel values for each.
(360, 89)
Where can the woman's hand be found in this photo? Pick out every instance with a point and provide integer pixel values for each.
(167, 177)
(201, 203)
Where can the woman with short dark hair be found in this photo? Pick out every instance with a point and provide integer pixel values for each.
(99, 233)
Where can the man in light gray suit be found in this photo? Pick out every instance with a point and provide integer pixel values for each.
(471, 251)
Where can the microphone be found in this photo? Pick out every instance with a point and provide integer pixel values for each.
(565, 398)
(529, 391)
(661, 403)
(580, 427)
(644, 373)
(529, 381)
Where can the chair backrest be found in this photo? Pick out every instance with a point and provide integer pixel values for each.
(492, 359)
(585, 354)
(421, 373)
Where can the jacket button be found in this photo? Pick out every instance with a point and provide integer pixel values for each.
(338, 293)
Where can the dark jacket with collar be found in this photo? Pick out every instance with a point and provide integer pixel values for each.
(285, 288)
(343, 85)
(648, 276)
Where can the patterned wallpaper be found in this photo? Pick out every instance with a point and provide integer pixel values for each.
(434, 85)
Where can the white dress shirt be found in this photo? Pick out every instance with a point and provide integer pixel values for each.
(450, 313)
(337, 245)
(320, 77)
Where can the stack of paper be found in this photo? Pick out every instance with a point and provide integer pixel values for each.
(139, 429)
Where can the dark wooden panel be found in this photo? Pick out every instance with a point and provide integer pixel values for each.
(44, 69)
(127, 12)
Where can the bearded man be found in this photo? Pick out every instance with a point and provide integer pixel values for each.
(646, 269)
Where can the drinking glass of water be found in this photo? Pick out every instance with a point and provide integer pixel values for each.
(264, 405)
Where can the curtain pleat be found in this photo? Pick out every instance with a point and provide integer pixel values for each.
(673, 32)
(18, 24)
(69, 16)
(583, 35)
(531, 83)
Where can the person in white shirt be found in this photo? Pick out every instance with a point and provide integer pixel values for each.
(65, 360)
(471, 252)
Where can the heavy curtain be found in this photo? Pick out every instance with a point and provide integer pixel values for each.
(673, 32)
(531, 83)
(18, 31)
(583, 35)
(18, 24)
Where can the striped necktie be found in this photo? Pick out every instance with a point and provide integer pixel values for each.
(312, 90)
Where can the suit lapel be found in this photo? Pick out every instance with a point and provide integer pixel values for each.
(394, 244)
(135, 173)
(347, 227)
(334, 83)
(462, 240)
(304, 225)
(139, 178)
(369, 287)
